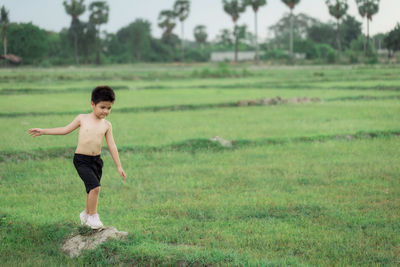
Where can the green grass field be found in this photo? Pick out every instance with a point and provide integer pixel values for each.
(311, 184)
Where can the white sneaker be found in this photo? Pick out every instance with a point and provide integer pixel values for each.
(93, 221)
(83, 217)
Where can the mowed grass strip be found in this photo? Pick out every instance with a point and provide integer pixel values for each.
(205, 84)
(154, 77)
(186, 71)
(192, 146)
(319, 204)
(240, 104)
(251, 123)
(145, 100)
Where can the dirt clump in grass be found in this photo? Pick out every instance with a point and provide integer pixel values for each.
(276, 101)
(223, 142)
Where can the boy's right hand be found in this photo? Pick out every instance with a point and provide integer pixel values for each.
(36, 132)
(122, 173)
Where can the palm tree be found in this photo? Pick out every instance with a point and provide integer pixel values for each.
(99, 15)
(234, 8)
(166, 22)
(181, 9)
(337, 8)
(4, 20)
(75, 8)
(200, 34)
(367, 8)
(291, 4)
(255, 4)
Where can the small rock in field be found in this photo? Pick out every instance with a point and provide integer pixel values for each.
(223, 142)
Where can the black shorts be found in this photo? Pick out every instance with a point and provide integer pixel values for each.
(89, 169)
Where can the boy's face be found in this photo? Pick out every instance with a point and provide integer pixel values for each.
(102, 109)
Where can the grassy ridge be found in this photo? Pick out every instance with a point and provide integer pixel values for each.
(138, 77)
(198, 105)
(155, 129)
(193, 146)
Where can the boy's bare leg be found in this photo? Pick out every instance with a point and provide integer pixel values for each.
(92, 198)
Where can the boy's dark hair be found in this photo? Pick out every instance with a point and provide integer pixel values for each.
(102, 93)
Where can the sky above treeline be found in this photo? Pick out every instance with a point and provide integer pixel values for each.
(50, 15)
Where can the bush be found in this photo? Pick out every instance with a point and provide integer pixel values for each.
(331, 57)
(27, 41)
(275, 54)
(372, 58)
(120, 58)
(222, 70)
(326, 52)
(307, 47)
(358, 45)
(197, 55)
(323, 50)
(46, 63)
(352, 56)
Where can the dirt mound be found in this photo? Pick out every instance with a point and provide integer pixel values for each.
(276, 101)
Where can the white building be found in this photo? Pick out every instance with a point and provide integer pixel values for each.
(230, 56)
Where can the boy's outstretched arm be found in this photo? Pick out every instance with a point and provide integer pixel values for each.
(112, 147)
(57, 131)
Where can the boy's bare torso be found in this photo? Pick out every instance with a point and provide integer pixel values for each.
(91, 133)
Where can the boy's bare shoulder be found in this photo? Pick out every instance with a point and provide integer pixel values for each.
(79, 118)
(109, 125)
(82, 116)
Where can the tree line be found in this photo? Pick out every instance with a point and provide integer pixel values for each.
(84, 42)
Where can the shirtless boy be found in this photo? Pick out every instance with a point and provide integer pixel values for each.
(87, 161)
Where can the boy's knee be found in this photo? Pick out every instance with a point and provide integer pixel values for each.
(95, 190)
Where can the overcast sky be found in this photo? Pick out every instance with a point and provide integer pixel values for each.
(50, 14)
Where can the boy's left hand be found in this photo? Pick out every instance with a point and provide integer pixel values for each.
(122, 173)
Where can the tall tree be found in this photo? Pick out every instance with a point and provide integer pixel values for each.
(141, 33)
(89, 39)
(239, 33)
(255, 4)
(135, 38)
(392, 40)
(291, 4)
(224, 38)
(350, 30)
(367, 8)
(361, 11)
(181, 9)
(322, 33)
(234, 8)
(166, 21)
(4, 20)
(200, 34)
(27, 41)
(281, 30)
(337, 9)
(75, 8)
(98, 15)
